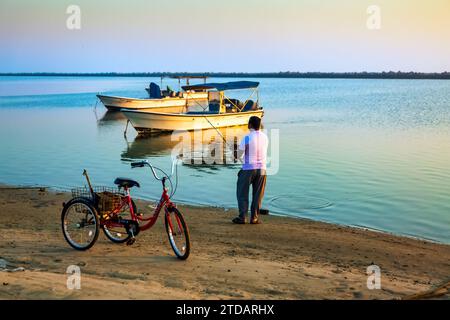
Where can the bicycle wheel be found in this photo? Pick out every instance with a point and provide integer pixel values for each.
(118, 234)
(178, 233)
(80, 223)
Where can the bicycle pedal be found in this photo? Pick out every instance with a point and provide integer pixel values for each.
(131, 241)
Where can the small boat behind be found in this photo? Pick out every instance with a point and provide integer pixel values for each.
(168, 104)
(221, 110)
(166, 100)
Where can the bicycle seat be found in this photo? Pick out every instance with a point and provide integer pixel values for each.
(126, 183)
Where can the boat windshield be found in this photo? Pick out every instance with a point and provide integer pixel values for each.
(221, 101)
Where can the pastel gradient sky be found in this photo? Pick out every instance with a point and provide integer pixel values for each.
(226, 35)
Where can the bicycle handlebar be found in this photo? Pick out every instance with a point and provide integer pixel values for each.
(139, 164)
(142, 164)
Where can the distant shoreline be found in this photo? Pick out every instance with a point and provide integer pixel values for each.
(289, 75)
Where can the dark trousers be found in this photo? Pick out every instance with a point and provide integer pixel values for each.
(257, 179)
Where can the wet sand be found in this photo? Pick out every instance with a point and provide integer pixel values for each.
(283, 258)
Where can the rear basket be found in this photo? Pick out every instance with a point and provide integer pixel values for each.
(106, 199)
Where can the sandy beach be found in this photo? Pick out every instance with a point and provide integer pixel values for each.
(283, 258)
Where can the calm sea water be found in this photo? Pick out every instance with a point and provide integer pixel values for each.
(372, 153)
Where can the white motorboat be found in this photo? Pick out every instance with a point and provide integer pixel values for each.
(161, 100)
(169, 104)
(220, 112)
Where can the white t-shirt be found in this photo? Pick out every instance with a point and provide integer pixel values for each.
(254, 146)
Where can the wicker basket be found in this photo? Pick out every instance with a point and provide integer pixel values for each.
(106, 199)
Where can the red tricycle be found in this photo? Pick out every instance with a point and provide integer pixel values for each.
(113, 210)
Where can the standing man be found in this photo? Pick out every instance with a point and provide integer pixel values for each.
(254, 148)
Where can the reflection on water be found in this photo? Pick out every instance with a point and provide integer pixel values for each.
(199, 149)
(209, 148)
(110, 116)
(373, 153)
(148, 146)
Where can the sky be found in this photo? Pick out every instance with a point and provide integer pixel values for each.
(225, 36)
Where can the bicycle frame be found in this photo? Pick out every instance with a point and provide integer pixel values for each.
(126, 201)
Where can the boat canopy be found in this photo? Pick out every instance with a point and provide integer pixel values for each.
(223, 86)
(185, 77)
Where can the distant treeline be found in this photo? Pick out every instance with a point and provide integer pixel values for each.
(288, 74)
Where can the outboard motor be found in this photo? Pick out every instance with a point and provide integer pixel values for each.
(155, 91)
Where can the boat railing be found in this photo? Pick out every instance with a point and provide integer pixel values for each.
(219, 102)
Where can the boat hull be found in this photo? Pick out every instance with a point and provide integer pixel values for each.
(176, 103)
(148, 121)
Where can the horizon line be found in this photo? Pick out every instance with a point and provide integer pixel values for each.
(445, 75)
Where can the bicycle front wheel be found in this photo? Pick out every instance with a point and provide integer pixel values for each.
(178, 233)
(80, 223)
